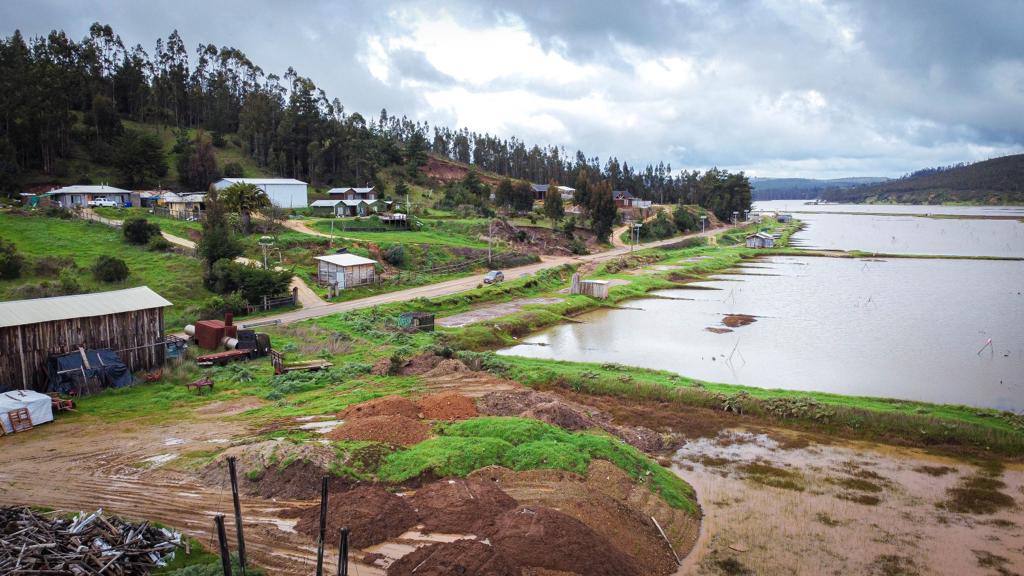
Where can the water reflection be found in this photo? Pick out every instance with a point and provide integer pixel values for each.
(901, 328)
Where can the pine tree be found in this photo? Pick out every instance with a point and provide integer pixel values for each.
(553, 207)
(602, 211)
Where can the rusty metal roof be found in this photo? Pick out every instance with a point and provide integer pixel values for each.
(21, 312)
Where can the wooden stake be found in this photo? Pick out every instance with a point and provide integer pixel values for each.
(222, 539)
(343, 552)
(323, 527)
(238, 514)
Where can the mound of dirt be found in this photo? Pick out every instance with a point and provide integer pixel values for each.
(447, 406)
(459, 557)
(419, 364)
(274, 469)
(381, 367)
(396, 430)
(446, 367)
(384, 406)
(460, 506)
(370, 512)
(737, 320)
(546, 538)
(510, 402)
(561, 415)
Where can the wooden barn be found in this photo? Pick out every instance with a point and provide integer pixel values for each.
(130, 322)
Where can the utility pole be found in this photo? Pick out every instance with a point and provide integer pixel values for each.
(490, 234)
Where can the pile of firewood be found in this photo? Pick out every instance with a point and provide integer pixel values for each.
(36, 543)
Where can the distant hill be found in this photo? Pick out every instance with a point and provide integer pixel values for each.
(995, 181)
(804, 188)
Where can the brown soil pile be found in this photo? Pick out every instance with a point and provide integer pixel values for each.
(381, 367)
(561, 415)
(446, 367)
(261, 470)
(420, 364)
(546, 538)
(460, 506)
(447, 406)
(459, 557)
(737, 320)
(385, 406)
(396, 430)
(370, 512)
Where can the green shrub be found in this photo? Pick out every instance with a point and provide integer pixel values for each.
(139, 230)
(444, 456)
(395, 255)
(11, 263)
(233, 170)
(216, 306)
(547, 454)
(251, 282)
(69, 282)
(158, 244)
(51, 266)
(109, 269)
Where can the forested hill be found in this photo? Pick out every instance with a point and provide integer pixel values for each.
(995, 181)
(803, 188)
(97, 110)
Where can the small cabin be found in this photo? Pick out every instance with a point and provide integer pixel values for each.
(760, 240)
(784, 218)
(345, 271)
(327, 208)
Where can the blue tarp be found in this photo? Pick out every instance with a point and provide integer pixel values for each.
(68, 374)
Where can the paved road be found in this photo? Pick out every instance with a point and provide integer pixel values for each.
(461, 284)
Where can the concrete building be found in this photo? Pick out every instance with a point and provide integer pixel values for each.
(283, 192)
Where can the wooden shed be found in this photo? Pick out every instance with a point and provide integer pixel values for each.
(760, 240)
(345, 270)
(130, 322)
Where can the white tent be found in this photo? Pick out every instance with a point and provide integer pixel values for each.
(39, 407)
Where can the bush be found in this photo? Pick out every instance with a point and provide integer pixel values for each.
(251, 282)
(109, 269)
(158, 244)
(395, 255)
(578, 247)
(217, 306)
(139, 230)
(233, 170)
(11, 263)
(57, 211)
(69, 282)
(52, 266)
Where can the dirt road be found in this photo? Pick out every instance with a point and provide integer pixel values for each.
(307, 297)
(129, 470)
(468, 283)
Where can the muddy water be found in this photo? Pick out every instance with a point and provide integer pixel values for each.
(900, 328)
(811, 527)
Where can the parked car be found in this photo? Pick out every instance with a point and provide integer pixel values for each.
(493, 277)
(103, 203)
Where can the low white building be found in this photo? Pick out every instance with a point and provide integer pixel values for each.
(345, 270)
(283, 192)
(79, 195)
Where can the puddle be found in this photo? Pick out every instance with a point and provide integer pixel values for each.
(322, 426)
(173, 442)
(160, 459)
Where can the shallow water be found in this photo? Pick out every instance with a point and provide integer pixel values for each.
(899, 328)
(911, 235)
(799, 206)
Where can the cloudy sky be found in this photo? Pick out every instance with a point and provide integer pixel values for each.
(774, 87)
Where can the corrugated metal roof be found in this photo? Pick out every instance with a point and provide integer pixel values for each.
(88, 189)
(261, 181)
(356, 190)
(21, 312)
(345, 259)
(331, 203)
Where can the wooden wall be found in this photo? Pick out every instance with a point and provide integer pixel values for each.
(128, 333)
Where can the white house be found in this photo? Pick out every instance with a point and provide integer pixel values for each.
(80, 195)
(760, 240)
(283, 192)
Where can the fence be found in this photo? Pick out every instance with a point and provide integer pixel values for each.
(276, 302)
(186, 215)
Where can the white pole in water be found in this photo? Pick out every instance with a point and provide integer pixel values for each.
(988, 344)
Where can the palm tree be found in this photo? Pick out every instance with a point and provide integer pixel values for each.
(244, 198)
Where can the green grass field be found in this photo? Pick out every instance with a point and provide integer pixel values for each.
(438, 232)
(180, 228)
(177, 278)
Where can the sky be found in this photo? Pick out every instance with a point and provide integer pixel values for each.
(777, 88)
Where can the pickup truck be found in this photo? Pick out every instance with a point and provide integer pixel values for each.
(103, 203)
